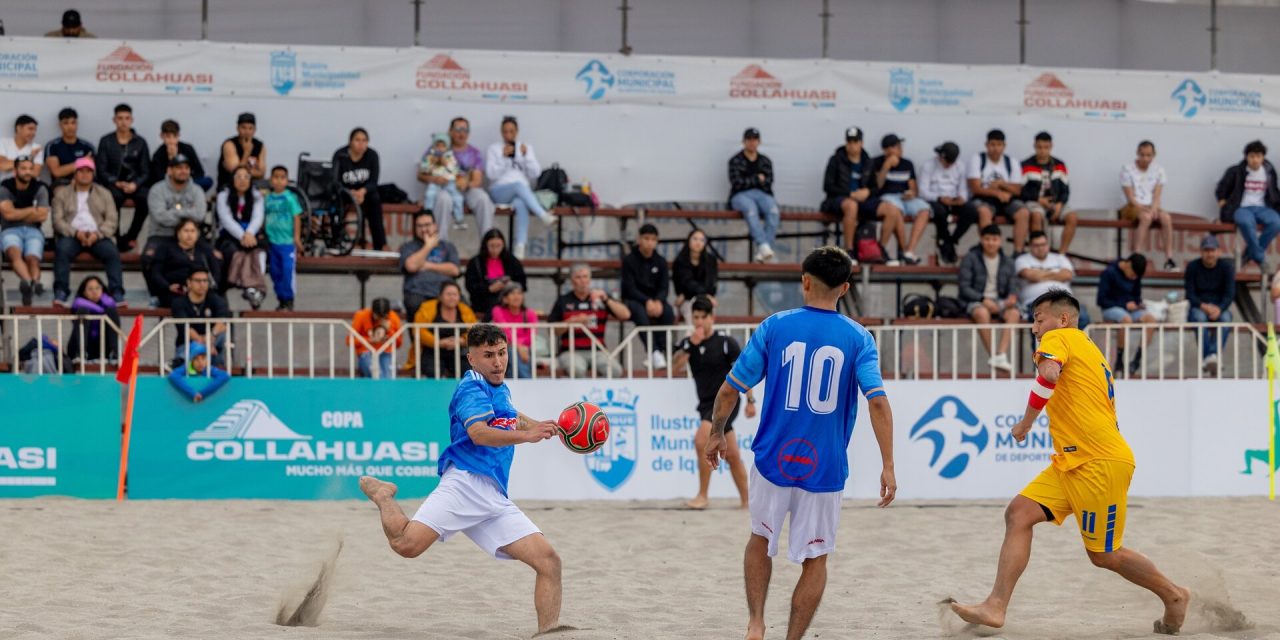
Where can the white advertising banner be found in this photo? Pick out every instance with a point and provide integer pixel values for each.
(951, 440)
(368, 73)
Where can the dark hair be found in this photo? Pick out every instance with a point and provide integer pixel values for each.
(68, 114)
(1036, 234)
(458, 119)
(489, 235)
(689, 237)
(23, 119)
(1147, 143)
(703, 304)
(184, 222)
(423, 212)
(832, 265)
(485, 335)
(381, 307)
(450, 283)
(200, 268)
(990, 230)
(280, 167)
(84, 284)
(247, 198)
(1138, 262)
(1056, 297)
(355, 131)
(1044, 136)
(169, 126)
(23, 158)
(1255, 147)
(647, 229)
(995, 134)
(123, 108)
(511, 119)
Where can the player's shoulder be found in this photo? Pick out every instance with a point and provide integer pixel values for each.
(472, 384)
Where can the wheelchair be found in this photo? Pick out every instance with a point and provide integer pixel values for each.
(332, 223)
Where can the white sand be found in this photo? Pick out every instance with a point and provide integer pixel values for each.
(74, 569)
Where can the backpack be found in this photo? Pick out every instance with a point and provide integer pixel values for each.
(1008, 165)
(915, 305)
(867, 246)
(553, 179)
(948, 307)
(390, 193)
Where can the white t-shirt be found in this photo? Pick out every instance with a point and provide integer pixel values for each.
(1142, 182)
(83, 220)
(1010, 172)
(992, 290)
(1032, 290)
(9, 148)
(1255, 188)
(937, 181)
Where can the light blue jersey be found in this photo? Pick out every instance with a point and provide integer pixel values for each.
(475, 400)
(815, 361)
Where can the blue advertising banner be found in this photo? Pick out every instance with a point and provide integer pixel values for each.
(60, 436)
(295, 439)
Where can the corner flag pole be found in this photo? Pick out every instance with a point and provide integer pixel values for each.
(128, 374)
(1273, 362)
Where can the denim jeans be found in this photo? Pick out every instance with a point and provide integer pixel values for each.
(1247, 220)
(1209, 340)
(365, 365)
(751, 204)
(66, 248)
(520, 367)
(520, 196)
(456, 201)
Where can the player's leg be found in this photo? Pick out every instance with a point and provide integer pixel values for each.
(757, 568)
(407, 537)
(736, 469)
(535, 551)
(1140, 570)
(704, 468)
(815, 520)
(807, 596)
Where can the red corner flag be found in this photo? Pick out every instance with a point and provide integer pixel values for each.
(126, 371)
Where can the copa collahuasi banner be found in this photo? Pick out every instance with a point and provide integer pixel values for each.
(60, 436)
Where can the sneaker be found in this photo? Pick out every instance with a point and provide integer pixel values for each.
(24, 288)
(551, 219)
(285, 305)
(1211, 365)
(62, 302)
(459, 225)
(37, 288)
(657, 361)
(1001, 361)
(1170, 265)
(518, 251)
(257, 298)
(947, 253)
(764, 253)
(910, 258)
(893, 263)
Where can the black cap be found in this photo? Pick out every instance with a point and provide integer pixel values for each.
(247, 117)
(70, 19)
(181, 158)
(751, 132)
(995, 134)
(891, 140)
(948, 150)
(852, 133)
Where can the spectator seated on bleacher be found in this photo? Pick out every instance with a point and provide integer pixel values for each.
(1045, 190)
(1041, 270)
(510, 164)
(85, 219)
(242, 150)
(751, 193)
(62, 152)
(283, 225)
(1142, 182)
(198, 379)
(1120, 298)
(470, 181)
(996, 184)
(446, 309)
(591, 308)
(171, 147)
(1211, 286)
(171, 202)
(124, 168)
(241, 215)
(511, 310)
(896, 186)
(356, 168)
(22, 144)
(1248, 195)
(944, 186)
(646, 283)
(490, 272)
(71, 27)
(987, 290)
(376, 325)
(442, 170)
(176, 260)
(847, 183)
(202, 309)
(427, 262)
(695, 272)
(24, 206)
(92, 340)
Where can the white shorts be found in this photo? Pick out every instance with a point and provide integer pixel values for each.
(815, 517)
(475, 505)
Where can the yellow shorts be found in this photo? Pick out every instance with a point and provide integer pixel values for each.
(1096, 492)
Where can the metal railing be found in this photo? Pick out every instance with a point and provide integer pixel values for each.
(63, 332)
(435, 360)
(267, 347)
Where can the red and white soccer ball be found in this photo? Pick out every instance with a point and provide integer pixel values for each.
(583, 427)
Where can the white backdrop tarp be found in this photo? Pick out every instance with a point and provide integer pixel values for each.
(951, 440)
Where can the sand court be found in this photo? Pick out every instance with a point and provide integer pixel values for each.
(222, 569)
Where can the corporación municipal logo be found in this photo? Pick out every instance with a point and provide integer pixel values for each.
(612, 464)
(1190, 98)
(902, 87)
(597, 79)
(284, 71)
(19, 64)
(956, 433)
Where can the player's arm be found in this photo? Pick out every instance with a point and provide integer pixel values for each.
(726, 401)
(1041, 390)
(482, 434)
(525, 423)
(882, 425)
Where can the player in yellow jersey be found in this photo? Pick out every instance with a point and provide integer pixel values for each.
(1090, 473)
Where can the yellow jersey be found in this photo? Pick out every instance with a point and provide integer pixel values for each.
(1082, 411)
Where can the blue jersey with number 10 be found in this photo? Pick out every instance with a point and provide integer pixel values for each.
(815, 361)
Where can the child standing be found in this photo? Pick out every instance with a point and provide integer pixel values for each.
(284, 236)
(440, 163)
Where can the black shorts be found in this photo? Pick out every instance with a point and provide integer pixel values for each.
(704, 410)
(866, 209)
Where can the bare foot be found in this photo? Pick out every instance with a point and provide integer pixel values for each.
(744, 505)
(699, 502)
(984, 614)
(376, 489)
(1175, 613)
(755, 631)
(555, 629)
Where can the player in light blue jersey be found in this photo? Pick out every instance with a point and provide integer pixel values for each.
(816, 361)
(472, 494)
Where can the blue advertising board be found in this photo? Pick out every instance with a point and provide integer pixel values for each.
(60, 436)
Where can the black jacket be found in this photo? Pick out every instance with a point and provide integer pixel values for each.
(644, 279)
(1231, 189)
(973, 276)
(160, 163)
(839, 175)
(128, 163)
(692, 281)
(172, 264)
(482, 300)
(356, 175)
(1033, 178)
(742, 176)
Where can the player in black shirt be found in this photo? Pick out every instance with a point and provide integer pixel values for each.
(710, 355)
